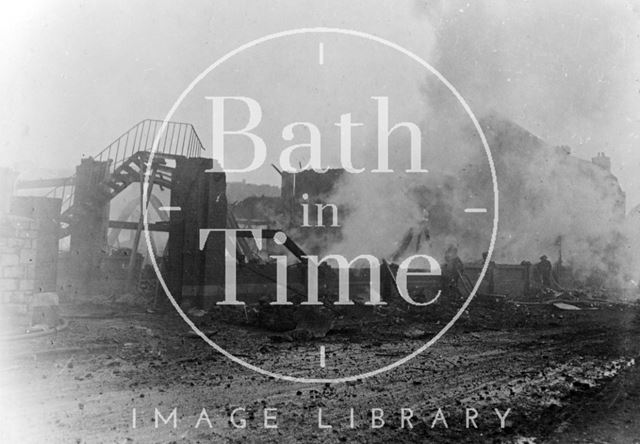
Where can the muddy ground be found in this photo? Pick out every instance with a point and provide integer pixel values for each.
(566, 376)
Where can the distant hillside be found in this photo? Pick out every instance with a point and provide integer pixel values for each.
(237, 191)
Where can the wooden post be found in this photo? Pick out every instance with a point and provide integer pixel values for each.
(131, 275)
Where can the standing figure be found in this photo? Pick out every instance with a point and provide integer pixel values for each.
(452, 269)
(544, 271)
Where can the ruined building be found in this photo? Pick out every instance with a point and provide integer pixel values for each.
(551, 202)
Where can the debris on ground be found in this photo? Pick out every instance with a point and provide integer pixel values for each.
(414, 333)
(563, 306)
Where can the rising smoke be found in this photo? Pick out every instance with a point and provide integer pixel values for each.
(562, 70)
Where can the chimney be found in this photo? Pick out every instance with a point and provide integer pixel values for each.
(602, 161)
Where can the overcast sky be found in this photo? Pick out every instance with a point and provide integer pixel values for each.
(76, 74)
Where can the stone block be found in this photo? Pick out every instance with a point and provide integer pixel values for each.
(16, 242)
(17, 308)
(9, 250)
(8, 284)
(19, 297)
(13, 271)
(45, 314)
(9, 259)
(45, 299)
(26, 285)
(27, 255)
(30, 271)
(7, 231)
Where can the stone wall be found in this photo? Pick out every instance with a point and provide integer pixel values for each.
(45, 212)
(17, 261)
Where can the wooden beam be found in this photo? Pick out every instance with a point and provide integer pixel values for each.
(45, 183)
(155, 226)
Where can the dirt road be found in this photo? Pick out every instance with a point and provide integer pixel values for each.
(552, 376)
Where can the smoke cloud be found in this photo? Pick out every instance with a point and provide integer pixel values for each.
(563, 72)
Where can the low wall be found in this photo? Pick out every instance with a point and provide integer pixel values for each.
(507, 279)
